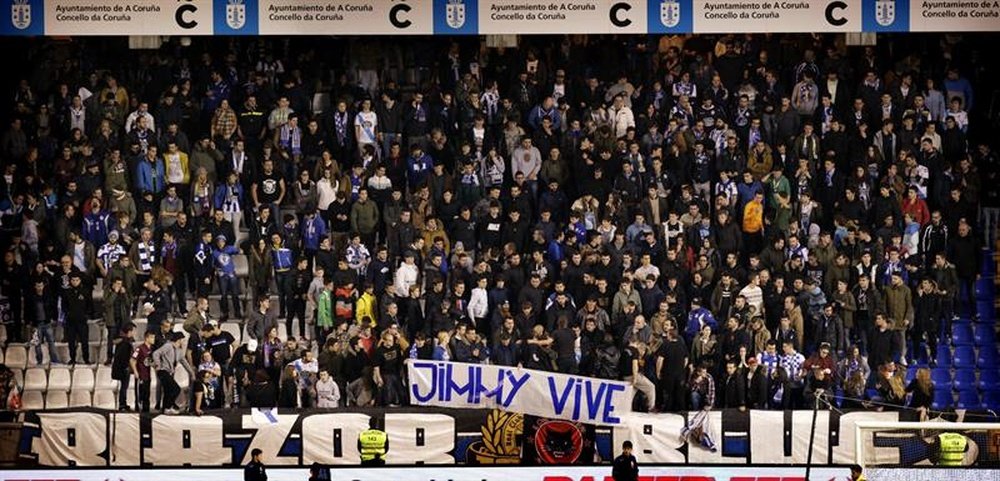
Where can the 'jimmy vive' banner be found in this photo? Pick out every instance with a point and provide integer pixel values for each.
(539, 393)
(437, 436)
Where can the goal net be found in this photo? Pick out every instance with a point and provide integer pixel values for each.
(883, 447)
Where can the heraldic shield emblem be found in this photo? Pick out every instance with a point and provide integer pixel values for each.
(885, 12)
(455, 13)
(236, 14)
(20, 14)
(670, 13)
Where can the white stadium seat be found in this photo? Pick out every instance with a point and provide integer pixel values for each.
(56, 400)
(59, 379)
(16, 356)
(35, 379)
(83, 379)
(235, 329)
(105, 399)
(103, 379)
(182, 377)
(79, 399)
(32, 401)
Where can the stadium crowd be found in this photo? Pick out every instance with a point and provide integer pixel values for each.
(721, 221)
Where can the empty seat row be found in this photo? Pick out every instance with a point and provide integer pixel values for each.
(979, 334)
(966, 379)
(80, 378)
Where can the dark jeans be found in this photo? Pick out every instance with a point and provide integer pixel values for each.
(567, 365)
(180, 290)
(123, 393)
(297, 310)
(77, 332)
(391, 391)
(142, 396)
(672, 396)
(202, 288)
(284, 283)
(170, 389)
(229, 286)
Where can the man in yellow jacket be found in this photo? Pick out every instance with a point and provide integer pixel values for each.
(952, 448)
(753, 223)
(373, 444)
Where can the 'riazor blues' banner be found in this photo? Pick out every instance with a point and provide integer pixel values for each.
(438, 436)
(538, 393)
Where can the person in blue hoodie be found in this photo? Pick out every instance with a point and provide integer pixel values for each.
(418, 167)
(313, 232)
(698, 317)
(225, 271)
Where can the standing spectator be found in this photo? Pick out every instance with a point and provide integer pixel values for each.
(166, 359)
(140, 363)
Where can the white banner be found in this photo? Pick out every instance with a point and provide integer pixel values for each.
(955, 15)
(134, 17)
(552, 473)
(339, 17)
(727, 16)
(551, 16)
(539, 393)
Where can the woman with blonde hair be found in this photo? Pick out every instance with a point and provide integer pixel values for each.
(202, 193)
(442, 350)
(921, 391)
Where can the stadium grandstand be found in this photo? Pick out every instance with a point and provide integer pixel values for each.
(511, 232)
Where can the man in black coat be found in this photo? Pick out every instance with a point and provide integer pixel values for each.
(757, 385)
(254, 470)
(964, 252)
(625, 467)
(883, 346)
(74, 304)
(734, 390)
(120, 369)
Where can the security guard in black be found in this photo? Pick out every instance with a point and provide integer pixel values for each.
(625, 467)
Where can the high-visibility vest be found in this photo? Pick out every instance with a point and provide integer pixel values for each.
(373, 442)
(952, 449)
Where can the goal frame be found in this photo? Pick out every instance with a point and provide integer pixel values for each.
(863, 426)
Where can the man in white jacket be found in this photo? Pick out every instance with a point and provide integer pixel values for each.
(621, 117)
(406, 275)
(479, 305)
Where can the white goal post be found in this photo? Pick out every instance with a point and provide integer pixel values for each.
(864, 440)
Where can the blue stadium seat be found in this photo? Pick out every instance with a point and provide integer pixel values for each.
(943, 356)
(911, 372)
(991, 400)
(987, 358)
(961, 335)
(968, 399)
(984, 335)
(989, 265)
(941, 376)
(965, 357)
(985, 289)
(942, 400)
(965, 379)
(986, 309)
(989, 380)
